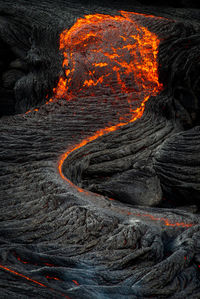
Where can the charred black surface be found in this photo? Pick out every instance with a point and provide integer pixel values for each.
(56, 241)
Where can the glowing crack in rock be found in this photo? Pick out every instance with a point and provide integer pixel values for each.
(31, 280)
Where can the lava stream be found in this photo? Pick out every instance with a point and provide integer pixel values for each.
(31, 280)
(101, 51)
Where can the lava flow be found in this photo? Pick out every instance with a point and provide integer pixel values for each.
(105, 51)
(112, 53)
(31, 280)
(116, 54)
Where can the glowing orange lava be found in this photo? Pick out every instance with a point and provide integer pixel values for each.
(165, 221)
(113, 52)
(76, 282)
(23, 276)
(30, 279)
(52, 277)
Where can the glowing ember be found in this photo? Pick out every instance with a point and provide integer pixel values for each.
(23, 276)
(49, 265)
(165, 221)
(19, 259)
(76, 282)
(30, 279)
(115, 49)
(52, 277)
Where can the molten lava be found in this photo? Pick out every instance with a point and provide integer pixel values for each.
(33, 280)
(112, 53)
(116, 54)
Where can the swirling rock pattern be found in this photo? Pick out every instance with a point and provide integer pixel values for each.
(138, 235)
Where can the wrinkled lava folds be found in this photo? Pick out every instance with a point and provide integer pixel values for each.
(115, 55)
(111, 58)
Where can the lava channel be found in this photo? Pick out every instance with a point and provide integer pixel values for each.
(108, 53)
(113, 53)
(116, 53)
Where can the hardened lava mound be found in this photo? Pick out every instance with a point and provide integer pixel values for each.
(99, 155)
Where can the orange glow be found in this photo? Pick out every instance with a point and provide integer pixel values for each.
(30, 279)
(25, 262)
(34, 110)
(123, 50)
(49, 265)
(23, 276)
(115, 43)
(110, 51)
(76, 282)
(101, 132)
(100, 64)
(134, 59)
(19, 259)
(52, 277)
(165, 221)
